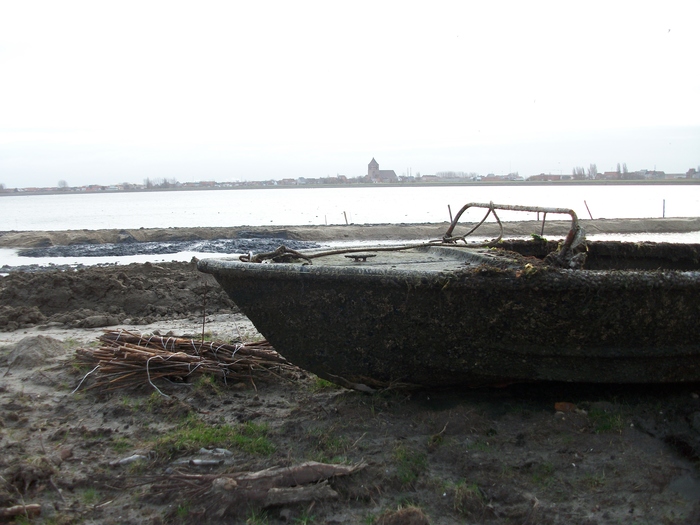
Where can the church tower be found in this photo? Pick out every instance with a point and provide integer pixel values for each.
(373, 170)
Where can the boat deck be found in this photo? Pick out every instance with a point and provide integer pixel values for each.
(423, 258)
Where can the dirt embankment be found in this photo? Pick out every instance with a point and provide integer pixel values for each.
(30, 239)
(108, 295)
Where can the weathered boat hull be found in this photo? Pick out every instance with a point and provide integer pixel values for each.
(477, 323)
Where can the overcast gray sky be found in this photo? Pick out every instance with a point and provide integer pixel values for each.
(107, 92)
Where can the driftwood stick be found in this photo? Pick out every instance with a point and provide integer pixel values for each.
(31, 511)
(309, 472)
(288, 496)
(282, 485)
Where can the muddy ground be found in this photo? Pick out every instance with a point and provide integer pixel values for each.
(521, 454)
(46, 239)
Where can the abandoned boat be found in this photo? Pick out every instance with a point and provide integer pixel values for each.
(447, 312)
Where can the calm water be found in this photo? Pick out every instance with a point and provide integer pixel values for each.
(318, 206)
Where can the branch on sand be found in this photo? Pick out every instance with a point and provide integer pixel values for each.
(28, 511)
(224, 493)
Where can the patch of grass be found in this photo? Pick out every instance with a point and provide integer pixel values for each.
(506, 472)
(368, 519)
(193, 434)
(257, 517)
(478, 446)
(90, 496)
(65, 385)
(468, 499)
(408, 514)
(543, 474)
(139, 468)
(80, 367)
(321, 385)
(567, 439)
(97, 434)
(208, 385)
(121, 445)
(381, 401)
(605, 421)
(304, 518)
(183, 510)
(594, 481)
(130, 403)
(154, 402)
(71, 343)
(205, 337)
(410, 464)
(328, 446)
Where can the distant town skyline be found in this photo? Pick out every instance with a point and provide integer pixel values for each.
(104, 93)
(376, 176)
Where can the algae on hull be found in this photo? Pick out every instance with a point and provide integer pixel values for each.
(465, 316)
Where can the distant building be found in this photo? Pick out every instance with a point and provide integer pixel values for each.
(548, 177)
(374, 174)
(652, 174)
(500, 178)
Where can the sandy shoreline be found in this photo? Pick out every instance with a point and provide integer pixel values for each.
(30, 239)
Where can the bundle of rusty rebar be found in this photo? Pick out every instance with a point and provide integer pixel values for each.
(127, 359)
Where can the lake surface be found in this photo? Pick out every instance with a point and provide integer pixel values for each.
(318, 206)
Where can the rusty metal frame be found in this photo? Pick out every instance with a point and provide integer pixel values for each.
(491, 207)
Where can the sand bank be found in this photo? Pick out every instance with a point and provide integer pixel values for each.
(30, 239)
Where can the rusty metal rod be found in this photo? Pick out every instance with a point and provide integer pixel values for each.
(514, 207)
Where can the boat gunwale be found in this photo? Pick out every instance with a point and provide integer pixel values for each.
(489, 275)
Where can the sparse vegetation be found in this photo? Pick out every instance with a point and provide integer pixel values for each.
(468, 499)
(487, 455)
(606, 421)
(193, 434)
(321, 385)
(478, 445)
(543, 474)
(595, 480)
(410, 464)
(257, 517)
(208, 385)
(90, 496)
(305, 518)
(329, 446)
(183, 510)
(121, 445)
(409, 514)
